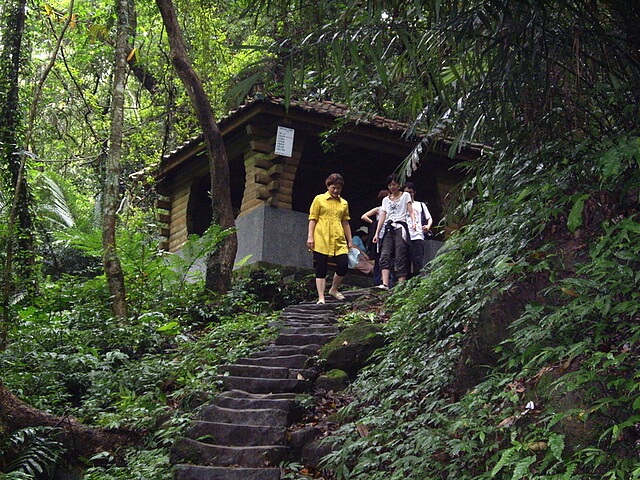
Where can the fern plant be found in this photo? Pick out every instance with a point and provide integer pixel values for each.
(30, 453)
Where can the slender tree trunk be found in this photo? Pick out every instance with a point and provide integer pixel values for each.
(111, 261)
(220, 263)
(19, 223)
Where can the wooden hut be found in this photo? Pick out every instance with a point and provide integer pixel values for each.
(279, 157)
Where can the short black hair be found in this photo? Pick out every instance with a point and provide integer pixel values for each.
(392, 178)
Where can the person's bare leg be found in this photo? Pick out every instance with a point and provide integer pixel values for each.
(335, 283)
(386, 273)
(321, 284)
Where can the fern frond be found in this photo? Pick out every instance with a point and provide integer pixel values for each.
(33, 450)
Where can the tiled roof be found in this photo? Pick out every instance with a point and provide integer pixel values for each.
(338, 110)
(332, 109)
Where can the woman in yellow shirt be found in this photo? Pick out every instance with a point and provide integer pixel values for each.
(329, 235)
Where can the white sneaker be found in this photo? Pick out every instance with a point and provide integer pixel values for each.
(382, 287)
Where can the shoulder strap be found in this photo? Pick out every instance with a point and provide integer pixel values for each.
(423, 216)
(372, 232)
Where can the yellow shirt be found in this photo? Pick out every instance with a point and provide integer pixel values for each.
(329, 213)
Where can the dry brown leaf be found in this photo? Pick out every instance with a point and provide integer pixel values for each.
(507, 422)
(362, 430)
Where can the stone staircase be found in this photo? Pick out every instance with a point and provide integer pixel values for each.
(242, 433)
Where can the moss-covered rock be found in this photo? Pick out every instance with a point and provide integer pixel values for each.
(353, 347)
(334, 380)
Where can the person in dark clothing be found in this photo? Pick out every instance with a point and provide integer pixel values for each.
(417, 231)
(371, 217)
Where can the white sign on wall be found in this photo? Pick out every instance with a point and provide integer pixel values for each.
(284, 141)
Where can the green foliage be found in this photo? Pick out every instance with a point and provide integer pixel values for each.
(562, 401)
(551, 85)
(149, 272)
(30, 453)
(68, 355)
(152, 463)
(267, 287)
(134, 374)
(293, 471)
(355, 317)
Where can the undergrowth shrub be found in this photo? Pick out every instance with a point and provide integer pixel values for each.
(270, 287)
(68, 355)
(32, 452)
(563, 401)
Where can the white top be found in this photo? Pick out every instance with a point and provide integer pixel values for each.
(397, 211)
(418, 208)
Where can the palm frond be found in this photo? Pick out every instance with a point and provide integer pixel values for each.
(54, 204)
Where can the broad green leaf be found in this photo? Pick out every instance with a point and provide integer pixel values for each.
(574, 221)
(556, 445)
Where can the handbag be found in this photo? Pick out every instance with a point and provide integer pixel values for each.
(353, 257)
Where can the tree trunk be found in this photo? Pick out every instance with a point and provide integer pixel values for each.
(80, 441)
(220, 263)
(20, 238)
(111, 261)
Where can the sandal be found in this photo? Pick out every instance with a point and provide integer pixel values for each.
(336, 295)
(320, 302)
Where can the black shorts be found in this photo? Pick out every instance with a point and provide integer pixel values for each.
(321, 264)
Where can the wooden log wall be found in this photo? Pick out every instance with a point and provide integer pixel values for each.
(163, 206)
(173, 222)
(178, 226)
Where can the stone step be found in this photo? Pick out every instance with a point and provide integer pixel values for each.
(248, 416)
(265, 385)
(239, 400)
(259, 396)
(300, 324)
(309, 329)
(280, 350)
(358, 292)
(243, 430)
(315, 315)
(187, 450)
(311, 318)
(288, 361)
(231, 434)
(312, 308)
(195, 472)
(257, 371)
(302, 339)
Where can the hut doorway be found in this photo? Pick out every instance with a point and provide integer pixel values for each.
(199, 209)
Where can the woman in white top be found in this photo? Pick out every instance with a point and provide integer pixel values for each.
(394, 211)
(422, 226)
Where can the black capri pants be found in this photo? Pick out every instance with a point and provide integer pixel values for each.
(321, 261)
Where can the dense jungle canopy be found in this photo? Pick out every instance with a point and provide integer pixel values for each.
(516, 354)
